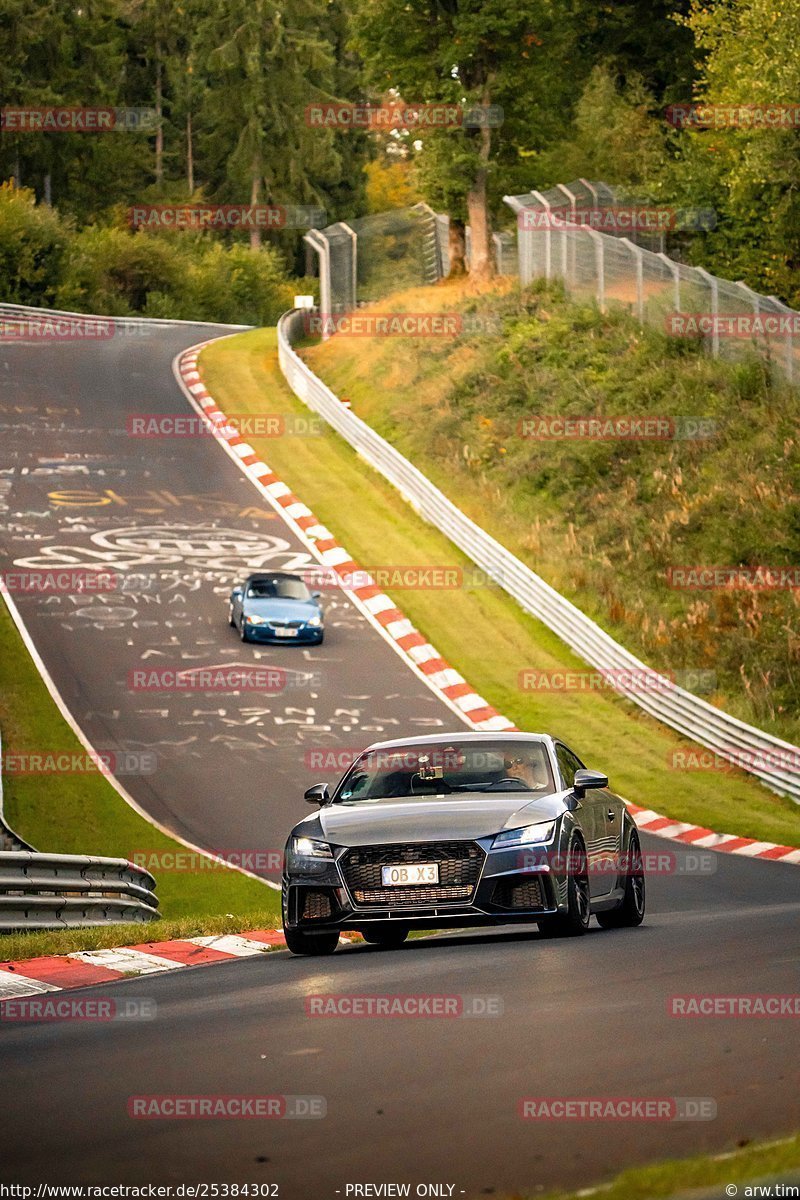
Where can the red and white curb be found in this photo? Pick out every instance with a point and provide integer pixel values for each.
(379, 609)
(383, 613)
(87, 968)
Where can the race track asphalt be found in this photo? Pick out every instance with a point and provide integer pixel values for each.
(408, 1100)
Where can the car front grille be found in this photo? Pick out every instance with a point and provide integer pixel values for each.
(460, 866)
(525, 894)
(277, 624)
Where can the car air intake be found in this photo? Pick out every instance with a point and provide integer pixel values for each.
(316, 906)
(526, 894)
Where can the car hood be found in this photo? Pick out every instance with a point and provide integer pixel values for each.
(429, 818)
(275, 608)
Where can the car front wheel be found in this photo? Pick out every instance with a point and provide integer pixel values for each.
(301, 942)
(575, 921)
(630, 910)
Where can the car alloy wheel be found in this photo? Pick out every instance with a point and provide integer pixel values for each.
(630, 911)
(575, 921)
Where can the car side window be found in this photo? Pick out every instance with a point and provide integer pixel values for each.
(568, 764)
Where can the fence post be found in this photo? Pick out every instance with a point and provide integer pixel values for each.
(547, 245)
(600, 266)
(523, 240)
(784, 308)
(674, 270)
(565, 266)
(353, 263)
(638, 254)
(713, 283)
(319, 243)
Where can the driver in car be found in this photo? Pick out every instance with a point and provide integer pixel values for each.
(531, 773)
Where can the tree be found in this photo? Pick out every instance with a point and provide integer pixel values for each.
(750, 56)
(265, 60)
(479, 54)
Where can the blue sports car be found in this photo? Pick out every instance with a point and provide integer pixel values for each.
(276, 607)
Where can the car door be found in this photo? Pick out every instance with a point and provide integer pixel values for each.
(600, 821)
(236, 602)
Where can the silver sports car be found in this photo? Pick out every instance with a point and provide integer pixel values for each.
(461, 829)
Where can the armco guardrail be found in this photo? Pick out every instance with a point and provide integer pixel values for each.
(56, 891)
(776, 763)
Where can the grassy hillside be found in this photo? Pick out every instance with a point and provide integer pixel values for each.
(605, 521)
(479, 629)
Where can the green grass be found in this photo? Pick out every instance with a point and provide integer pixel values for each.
(480, 630)
(604, 520)
(68, 941)
(83, 814)
(757, 1163)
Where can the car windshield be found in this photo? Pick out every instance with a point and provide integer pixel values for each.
(279, 588)
(445, 767)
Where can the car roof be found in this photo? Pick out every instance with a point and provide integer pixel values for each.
(267, 576)
(437, 739)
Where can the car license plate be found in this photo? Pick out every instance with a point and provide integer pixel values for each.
(285, 632)
(409, 873)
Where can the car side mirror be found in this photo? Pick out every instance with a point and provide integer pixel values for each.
(317, 794)
(316, 595)
(585, 779)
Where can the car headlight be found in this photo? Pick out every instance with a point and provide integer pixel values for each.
(315, 621)
(256, 620)
(527, 836)
(304, 847)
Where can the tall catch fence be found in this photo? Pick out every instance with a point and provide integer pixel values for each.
(365, 259)
(556, 239)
